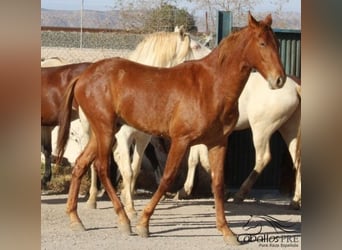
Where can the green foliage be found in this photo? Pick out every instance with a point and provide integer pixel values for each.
(167, 17)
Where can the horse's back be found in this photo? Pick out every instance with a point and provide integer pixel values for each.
(53, 62)
(54, 81)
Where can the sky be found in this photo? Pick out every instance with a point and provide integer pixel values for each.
(292, 5)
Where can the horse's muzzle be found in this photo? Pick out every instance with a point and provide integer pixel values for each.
(277, 82)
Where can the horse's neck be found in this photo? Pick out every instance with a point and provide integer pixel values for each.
(230, 71)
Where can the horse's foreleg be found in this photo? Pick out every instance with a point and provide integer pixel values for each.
(216, 156)
(262, 157)
(193, 160)
(81, 166)
(141, 142)
(91, 202)
(160, 155)
(123, 160)
(198, 153)
(176, 153)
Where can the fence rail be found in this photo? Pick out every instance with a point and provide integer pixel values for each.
(290, 50)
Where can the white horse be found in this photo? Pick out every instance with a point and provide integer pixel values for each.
(285, 117)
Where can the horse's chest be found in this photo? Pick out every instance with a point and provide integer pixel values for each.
(229, 117)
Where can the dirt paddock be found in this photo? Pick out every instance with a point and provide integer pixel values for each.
(262, 222)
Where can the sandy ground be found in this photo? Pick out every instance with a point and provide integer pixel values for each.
(184, 224)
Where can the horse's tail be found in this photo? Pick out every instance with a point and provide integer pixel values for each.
(298, 85)
(299, 90)
(299, 133)
(299, 149)
(65, 119)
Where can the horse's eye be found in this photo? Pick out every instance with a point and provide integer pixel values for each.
(262, 44)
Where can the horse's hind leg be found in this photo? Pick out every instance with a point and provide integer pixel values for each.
(47, 150)
(81, 166)
(176, 153)
(290, 133)
(105, 136)
(91, 202)
(261, 140)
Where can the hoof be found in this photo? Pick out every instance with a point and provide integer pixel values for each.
(142, 231)
(181, 194)
(238, 199)
(77, 226)
(231, 240)
(125, 228)
(296, 205)
(91, 205)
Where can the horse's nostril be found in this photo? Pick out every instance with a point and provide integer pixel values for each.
(279, 81)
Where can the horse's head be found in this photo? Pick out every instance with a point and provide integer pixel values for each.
(183, 49)
(263, 51)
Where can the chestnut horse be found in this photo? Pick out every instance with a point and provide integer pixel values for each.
(192, 103)
(253, 101)
(54, 81)
(151, 51)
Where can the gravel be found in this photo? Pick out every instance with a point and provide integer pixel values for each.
(184, 224)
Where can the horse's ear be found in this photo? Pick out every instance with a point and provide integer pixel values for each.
(251, 20)
(181, 31)
(268, 20)
(176, 28)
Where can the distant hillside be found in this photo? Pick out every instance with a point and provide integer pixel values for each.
(91, 18)
(111, 20)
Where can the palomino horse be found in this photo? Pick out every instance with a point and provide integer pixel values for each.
(285, 117)
(54, 81)
(192, 103)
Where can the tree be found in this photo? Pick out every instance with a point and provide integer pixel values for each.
(239, 8)
(167, 17)
(153, 15)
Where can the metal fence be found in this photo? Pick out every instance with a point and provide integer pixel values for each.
(290, 50)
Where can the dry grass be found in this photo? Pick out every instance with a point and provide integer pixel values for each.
(61, 178)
